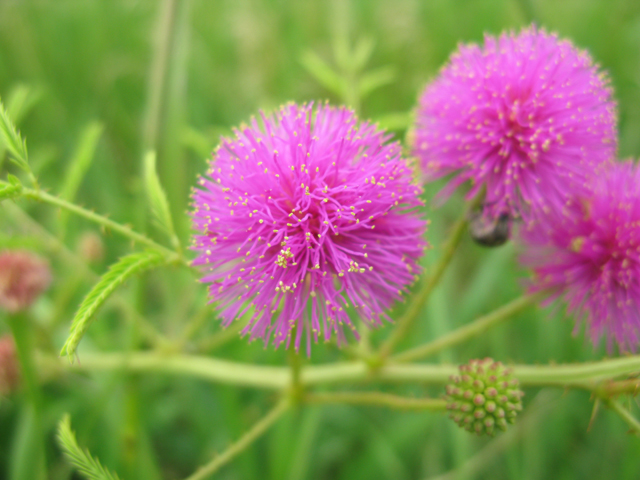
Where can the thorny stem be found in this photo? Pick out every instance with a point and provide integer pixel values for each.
(101, 220)
(378, 399)
(612, 389)
(419, 299)
(629, 419)
(470, 330)
(247, 439)
(587, 376)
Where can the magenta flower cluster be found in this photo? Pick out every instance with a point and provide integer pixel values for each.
(527, 117)
(308, 214)
(303, 216)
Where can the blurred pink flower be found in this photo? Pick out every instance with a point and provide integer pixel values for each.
(590, 255)
(23, 277)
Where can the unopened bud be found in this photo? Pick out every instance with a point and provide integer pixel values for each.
(23, 277)
(484, 397)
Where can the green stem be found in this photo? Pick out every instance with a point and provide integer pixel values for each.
(99, 219)
(378, 399)
(295, 363)
(470, 330)
(206, 368)
(629, 419)
(611, 389)
(158, 73)
(247, 439)
(22, 337)
(419, 299)
(20, 329)
(580, 375)
(218, 339)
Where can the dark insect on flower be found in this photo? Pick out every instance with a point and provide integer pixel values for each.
(490, 231)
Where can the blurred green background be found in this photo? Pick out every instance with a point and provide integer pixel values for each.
(102, 81)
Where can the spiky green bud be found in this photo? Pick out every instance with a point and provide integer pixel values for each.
(485, 396)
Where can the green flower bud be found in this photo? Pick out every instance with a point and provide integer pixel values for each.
(483, 397)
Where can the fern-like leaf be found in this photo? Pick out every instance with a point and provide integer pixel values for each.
(9, 190)
(81, 459)
(13, 141)
(122, 270)
(156, 196)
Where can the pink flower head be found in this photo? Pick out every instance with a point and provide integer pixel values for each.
(528, 117)
(23, 277)
(303, 215)
(590, 254)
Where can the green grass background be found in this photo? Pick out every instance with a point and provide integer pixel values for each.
(87, 61)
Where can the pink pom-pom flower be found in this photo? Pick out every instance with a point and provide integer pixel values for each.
(526, 116)
(589, 253)
(304, 215)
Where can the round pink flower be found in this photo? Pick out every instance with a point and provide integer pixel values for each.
(528, 117)
(302, 216)
(589, 253)
(23, 277)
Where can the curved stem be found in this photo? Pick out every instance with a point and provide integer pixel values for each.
(378, 399)
(625, 414)
(247, 439)
(419, 299)
(101, 220)
(471, 329)
(213, 370)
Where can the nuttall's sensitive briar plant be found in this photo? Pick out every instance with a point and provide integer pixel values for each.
(301, 215)
(292, 199)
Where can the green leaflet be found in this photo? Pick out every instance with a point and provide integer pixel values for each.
(9, 191)
(324, 74)
(81, 459)
(13, 141)
(157, 197)
(78, 166)
(81, 160)
(120, 271)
